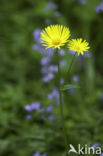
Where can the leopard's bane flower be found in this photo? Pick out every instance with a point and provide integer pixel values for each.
(55, 36)
(78, 45)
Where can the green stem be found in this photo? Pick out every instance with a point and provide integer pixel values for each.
(69, 70)
(61, 102)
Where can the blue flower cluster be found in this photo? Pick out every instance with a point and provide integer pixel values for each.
(101, 97)
(36, 106)
(75, 79)
(37, 153)
(47, 112)
(99, 8)
(54, 95)
(30, 108)
(48, 70)
(52, 6)
(95, 146)
(86, 54)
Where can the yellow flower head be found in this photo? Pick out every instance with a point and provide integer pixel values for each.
(78, 45)
(55, 36)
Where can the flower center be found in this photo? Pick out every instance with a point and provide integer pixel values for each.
(56, 41)
(78, 48)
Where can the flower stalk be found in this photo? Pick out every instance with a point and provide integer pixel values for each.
(61, 100)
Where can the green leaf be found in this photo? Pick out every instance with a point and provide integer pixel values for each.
(68, 86)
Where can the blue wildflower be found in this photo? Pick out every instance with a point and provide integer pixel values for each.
(101, 97)
(81, 1)
(62, 63)
(51, 117)
(75, 78)
(53, 68)
(62, 81)
(49, 108)
(86, 54)
(95, 145)
(28, 108)
(38, 48)
(52, 5)
(62, 52)
(44, 154)
(71, 90)
(45, 60)
(48, 77)
(99, 8)
(28, 117)
(36, 35)
(54, 94)
(36, 153)
(35, 106)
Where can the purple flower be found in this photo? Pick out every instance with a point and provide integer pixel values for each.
(62, 63)
(101, 154)
(53, 68)
(51, 117)
(45, 60)
(95, 145)
(35, 106)
(72, 52)
(101, 97)
(53, 94)
(44, 154)
(61, 52)
(87, 54)
(49, 51)
(99, 8)
(46, 9)
(62, 81)
(38, 48)
(71, 90)
(52, 5)
(36, 153)
(82, 1)
(75, 78)
(28, 108)
(28, 117)
(42, 50)
(36, 35)
(49, 108)
(48, 77)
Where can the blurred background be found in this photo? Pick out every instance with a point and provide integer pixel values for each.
(30, 122)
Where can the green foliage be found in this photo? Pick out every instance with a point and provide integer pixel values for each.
(69, 86)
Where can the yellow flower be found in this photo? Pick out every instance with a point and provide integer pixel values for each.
(78, 45)
(55, 36)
